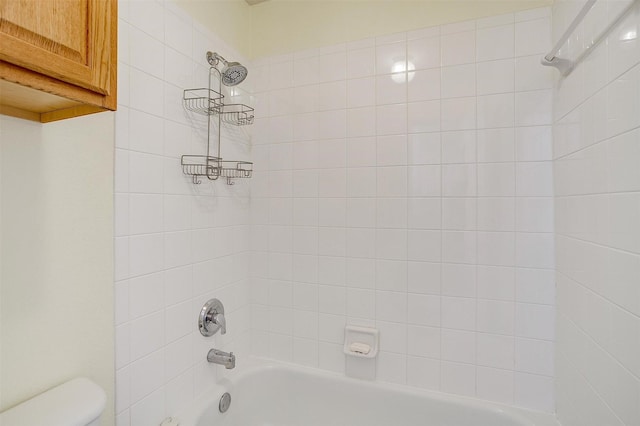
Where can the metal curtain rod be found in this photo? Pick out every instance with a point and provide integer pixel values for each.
(565, 66)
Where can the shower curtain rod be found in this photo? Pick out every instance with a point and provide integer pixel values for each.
(565, 66)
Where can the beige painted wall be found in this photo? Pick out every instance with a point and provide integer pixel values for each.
(228, 19)
(282, 26)
(56, 288)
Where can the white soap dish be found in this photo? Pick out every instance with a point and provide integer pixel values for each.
(361, 342)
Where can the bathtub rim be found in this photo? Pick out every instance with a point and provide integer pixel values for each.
(189, 415)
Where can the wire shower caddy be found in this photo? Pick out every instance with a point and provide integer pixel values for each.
(209, 102)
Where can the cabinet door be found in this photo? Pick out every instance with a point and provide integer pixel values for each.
(65, 39)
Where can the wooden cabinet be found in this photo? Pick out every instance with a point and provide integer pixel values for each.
(58, 58)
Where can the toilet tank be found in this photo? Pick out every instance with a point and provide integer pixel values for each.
(78, 402)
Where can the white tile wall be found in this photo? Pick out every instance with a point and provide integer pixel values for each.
(177, 245)
(596, 142)
(418, 202)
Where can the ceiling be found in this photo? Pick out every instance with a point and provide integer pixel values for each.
(252, 2)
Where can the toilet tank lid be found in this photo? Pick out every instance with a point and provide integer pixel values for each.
(77, 402)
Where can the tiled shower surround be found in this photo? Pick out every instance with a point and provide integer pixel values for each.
(597, 189)
(419, 203)
(177, 244)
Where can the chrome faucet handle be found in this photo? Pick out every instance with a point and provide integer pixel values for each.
(211, 318)
(220, 320)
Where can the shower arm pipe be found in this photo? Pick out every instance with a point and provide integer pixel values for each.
(565, 66)
(214, 59)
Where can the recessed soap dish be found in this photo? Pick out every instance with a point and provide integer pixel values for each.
(361, 342)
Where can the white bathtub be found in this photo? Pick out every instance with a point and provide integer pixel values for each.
(275, 394)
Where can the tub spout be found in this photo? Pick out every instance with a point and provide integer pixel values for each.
(216, 356)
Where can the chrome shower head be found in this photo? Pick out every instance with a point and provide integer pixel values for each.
(232, 73)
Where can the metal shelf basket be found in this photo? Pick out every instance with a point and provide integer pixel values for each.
(236, 114)
(202, 101)
(201, 165)
(235, 170)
